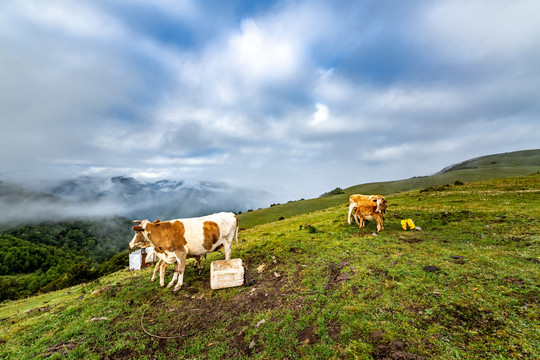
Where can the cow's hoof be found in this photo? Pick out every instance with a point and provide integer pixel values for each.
(177, 288)
(169, 285)
(162, 285)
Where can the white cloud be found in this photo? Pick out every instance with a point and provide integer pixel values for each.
(321, 114)
(482, 30)
(301, 94)
(71, 18)
(262, 56)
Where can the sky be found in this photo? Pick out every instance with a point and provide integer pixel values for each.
(292, 97)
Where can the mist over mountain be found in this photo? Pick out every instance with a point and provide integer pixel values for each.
(89, 196)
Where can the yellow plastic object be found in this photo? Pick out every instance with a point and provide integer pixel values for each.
(407, 224)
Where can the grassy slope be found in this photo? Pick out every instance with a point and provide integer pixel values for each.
(482, 168)
(482, 303)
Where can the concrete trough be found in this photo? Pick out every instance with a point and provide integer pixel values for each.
(226, 274)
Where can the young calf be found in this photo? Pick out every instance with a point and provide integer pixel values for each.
(367, 208)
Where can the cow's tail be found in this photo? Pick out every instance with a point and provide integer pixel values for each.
(352, 206)
(236, 231)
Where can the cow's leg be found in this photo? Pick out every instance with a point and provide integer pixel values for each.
(175, 275)
(162, 268)
(181, 262)
(156, 269)
(355, 217)
(199, 266)
(227, 248)
(379, 223)
(362, 222)
(351, 208)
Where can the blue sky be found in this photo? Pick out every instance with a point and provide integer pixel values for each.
(294, 97)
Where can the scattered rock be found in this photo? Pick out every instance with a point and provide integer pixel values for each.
(260, 268)
(102, 318)
(343, 277)
(276, 274)
(418, 228)
(260, 323)
(38, 309)
(375, 234)
(431, 268)
(251, 344)
(103, 289)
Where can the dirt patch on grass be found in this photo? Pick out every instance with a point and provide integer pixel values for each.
(394, 350)
(62, 348)
(378, 273)
(123, 354)
(513, 280)
(467, 317)
(536, 261)
(192, 312)
(307, 335)
(334, 329)
(458, 259)
(411, 240)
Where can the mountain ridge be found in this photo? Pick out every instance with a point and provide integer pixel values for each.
(90, 196)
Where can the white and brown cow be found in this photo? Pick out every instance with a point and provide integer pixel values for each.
(367, 207)
(174, 240)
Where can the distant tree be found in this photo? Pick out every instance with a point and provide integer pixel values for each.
(336, 191)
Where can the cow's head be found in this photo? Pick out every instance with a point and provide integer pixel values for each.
(380, 201)
(141, 236)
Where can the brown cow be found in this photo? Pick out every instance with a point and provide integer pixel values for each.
(174, 240)
(367, 207)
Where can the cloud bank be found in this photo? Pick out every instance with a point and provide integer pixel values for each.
(293, 97)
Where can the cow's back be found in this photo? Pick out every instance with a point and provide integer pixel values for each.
(204, 234)
(226, 222)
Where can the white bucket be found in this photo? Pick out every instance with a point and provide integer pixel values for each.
(226, 273)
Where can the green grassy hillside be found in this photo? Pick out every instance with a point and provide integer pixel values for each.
(466, 286)
(482, 168)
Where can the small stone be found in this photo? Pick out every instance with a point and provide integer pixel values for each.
(260, 268)
(276, 274)
(102, 318)
(260, 323)
(343, 277)
(251, 344)
(103, 289)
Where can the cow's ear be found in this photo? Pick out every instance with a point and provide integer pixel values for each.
(137, 221)
(156, 221)
(138, 228)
